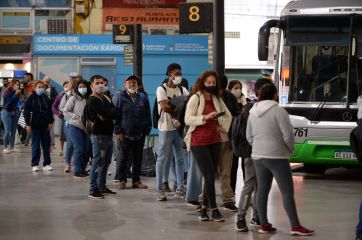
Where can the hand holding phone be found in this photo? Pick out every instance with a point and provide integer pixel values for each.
(220, 114)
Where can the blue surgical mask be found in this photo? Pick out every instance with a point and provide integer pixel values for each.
(16, 87)
(82, 91)
(39, 91)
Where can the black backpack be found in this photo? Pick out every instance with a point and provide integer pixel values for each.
(155, 114)
(355, 142)
(239, 144)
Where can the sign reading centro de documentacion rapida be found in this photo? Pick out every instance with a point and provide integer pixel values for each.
(141, 3)
(152, 16)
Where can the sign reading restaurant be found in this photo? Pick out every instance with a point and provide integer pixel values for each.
(141, 3)
(153, 16)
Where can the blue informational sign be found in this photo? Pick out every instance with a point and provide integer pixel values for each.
(94, 44)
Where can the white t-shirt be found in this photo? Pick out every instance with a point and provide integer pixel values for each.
(165, 123)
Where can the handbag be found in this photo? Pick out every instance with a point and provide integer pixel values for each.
(148, 167)
(21, 121)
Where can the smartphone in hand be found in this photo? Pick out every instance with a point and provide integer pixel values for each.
(220, 114)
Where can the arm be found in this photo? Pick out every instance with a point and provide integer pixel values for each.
(191, 110)
(286, 128)
(68, 109)
(162, 99)
(148, 117)
(50, 113)
(249, 134)
(62, 103)
(118, 121)
(55, 106)
(28, 108)
(226, 121)
(97, 108)
(10, 100)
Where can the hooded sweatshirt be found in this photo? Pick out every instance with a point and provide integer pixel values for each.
(270, 131)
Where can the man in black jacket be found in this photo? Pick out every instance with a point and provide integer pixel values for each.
(101, 112)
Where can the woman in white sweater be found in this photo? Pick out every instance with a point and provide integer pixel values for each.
(270, 133)
(208, 117)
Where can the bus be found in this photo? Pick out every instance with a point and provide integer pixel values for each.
(318, 72)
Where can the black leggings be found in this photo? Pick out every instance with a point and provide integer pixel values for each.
(206, 158)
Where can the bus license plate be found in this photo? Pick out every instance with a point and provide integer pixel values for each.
(344, 155)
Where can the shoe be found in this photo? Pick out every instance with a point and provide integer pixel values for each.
(301, 231)
(358, 237)
(81, 175)
(7, 151)
(60, 154)
(67, 169)
(198, 209)
(161, 196)
(254, 222)
(139, 185)
(115, 180)
(108, 191)
(85, 173)
(180, 193)
(47, 168)
(96, 195)
(230, 207)
(14, 150)
(26, 144)
(216, 216)
(267, 228)
(174, 188)
(241, 226)
(203, 215)
(122, 185)
(165, 187)
(193, 204)
(35, 169)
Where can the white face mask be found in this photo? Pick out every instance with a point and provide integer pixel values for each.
(132, 90)
(237, 92)
(177, 80)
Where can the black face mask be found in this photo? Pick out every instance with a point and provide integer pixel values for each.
(210, 89)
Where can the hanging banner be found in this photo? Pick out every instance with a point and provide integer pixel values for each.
(141, 3)
(152, 16)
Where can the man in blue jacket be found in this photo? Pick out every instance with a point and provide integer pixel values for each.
(131, 128)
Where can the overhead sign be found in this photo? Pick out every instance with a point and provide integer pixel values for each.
(141, 3)
(153, 16)
(11, 40)
(195, 17)
(102, 44)
(122, 33)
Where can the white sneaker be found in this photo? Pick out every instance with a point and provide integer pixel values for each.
(7, 151)
(47, 168)
(35, 168)
(14, 150)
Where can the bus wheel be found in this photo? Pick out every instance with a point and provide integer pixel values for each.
(315, 168)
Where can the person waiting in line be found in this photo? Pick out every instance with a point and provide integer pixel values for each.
(359, 225)
(69, 145)
(236, 88)
(101, 112)
(73, 111)
(269, 125)
(52, 93)
(9, 115)
(248, 193)
(39, 120)
(170, 141)
(131, 127)
(208, 118)
(29, 81)
(22, 99)
(57, 112)
(4, 83)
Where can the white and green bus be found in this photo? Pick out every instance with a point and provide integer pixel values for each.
(319, 75)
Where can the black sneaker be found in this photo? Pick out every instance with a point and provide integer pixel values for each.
(96, 195)
(254, 222)
(358, 237)
(108, 191)
(216, 216)
(85, 173)
(241, 226)
(230, 207)
(193, 204)
(165, 187)
(81, 175)
(198, 209)
(203, 215)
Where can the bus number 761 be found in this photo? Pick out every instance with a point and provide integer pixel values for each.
(301, 132)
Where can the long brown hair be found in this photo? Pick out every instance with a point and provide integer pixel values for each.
(11, 84)
(200, 82)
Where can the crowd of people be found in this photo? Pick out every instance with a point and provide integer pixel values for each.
(194, 139)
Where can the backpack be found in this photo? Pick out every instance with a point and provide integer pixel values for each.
(239, 144)
(180, 116)
(355, 142)
(155, 114)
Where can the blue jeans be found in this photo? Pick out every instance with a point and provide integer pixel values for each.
(359, 225)
(10, 121)
(68, 146)
(102, 155)
(170, 145)
(170, 166)
(80, 143)
(194, 181)
(40, 136)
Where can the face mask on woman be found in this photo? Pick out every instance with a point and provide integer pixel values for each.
(177, 80)
(210, 89)
(16, 87)
(82, 91)
(237, 92)
(39, 91)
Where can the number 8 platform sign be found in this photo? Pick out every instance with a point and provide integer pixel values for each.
(195, 17)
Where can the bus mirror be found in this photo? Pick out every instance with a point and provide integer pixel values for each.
(263, 39)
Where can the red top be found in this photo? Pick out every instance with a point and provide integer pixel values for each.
(206, 134)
